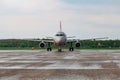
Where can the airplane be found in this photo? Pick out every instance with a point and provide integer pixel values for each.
(60, 39)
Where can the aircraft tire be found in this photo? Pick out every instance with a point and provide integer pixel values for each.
(49, 49)
(71, 49)
(59, 50)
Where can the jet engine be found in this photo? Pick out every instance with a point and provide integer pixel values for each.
(77, 44)
(42, 44)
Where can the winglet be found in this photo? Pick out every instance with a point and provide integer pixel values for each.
(60, 27)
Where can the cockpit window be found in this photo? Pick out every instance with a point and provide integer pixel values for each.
(59, 34)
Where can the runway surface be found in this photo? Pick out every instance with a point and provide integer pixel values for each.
(43, 65)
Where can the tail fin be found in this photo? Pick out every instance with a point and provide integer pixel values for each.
(60, 27)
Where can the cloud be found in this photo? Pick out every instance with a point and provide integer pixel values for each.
(30, 5)
(93, 2)
(27, 17)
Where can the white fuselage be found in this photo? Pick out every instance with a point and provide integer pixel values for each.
(60, 39)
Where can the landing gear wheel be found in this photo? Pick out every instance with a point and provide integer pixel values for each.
(49, 49)
(71, 49)
(59, 50)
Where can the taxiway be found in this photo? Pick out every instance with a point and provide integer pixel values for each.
(43, 65)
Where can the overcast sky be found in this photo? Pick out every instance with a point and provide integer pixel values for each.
(39, 18)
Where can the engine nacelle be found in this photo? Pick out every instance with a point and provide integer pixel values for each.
(42, 44)
(77, 44)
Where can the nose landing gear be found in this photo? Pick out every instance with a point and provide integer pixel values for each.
(59, 49)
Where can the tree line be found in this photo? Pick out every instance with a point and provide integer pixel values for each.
(18, 43)
(101, 44)
(84, 43)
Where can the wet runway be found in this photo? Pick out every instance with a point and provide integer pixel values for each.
(43, 65)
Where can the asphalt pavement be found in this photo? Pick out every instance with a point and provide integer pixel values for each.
(65, 65)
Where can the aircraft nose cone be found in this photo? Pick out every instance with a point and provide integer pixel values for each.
(59, 40)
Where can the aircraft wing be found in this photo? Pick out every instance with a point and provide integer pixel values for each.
(72, 40)
(51, 41)
(71, 37)
(39, 40)
(96, 38)
(76, 40)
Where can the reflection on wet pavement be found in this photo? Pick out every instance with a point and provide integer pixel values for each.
(80, 60)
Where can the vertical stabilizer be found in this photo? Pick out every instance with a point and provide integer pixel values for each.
(60, 27)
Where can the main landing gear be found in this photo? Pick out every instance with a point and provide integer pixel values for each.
(71, 49)
(49, 48)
